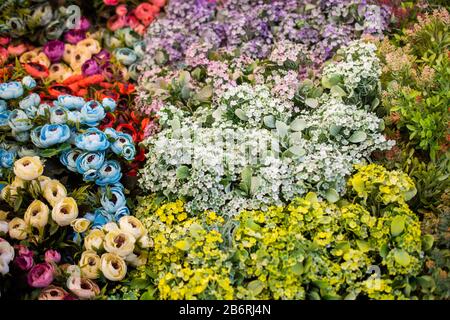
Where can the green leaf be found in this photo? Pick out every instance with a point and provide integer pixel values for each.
(298, 124)
(241, 114)
(182, 172)
(402, 257)
(254, 184)
(332, 196)
(297, 150)
(148, 295)
(363, 245)
(256, 287)
(334, 129)
(311, 197)
(397, 225)
(408, 195)
(312, 103)
(426, 282)
(338, 91)
(427, 242)
(357, 137)
(246, 179)
(384, 249)
(204, 94)
(269, 121)
(297, 269)
(282, 128)
(138, 283)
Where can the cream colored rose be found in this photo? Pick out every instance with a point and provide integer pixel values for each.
(94, 240)
(65, 211)
(37, 214)
(28, 168)
(43, 181)
(113, 267)
(137, 260)
(110, 226)
(54, 191)
(119, 242)
(4, 227)
(145, 242)
(133, 226)
(18, 229)
(83, 288)
(4, 267)
(90, 264)
(6, 251)
(80, 225)
(88, 45)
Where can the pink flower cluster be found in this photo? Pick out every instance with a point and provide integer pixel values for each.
(137, 19)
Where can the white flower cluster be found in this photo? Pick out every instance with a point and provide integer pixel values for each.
(248, 105)
(359, 71)
(253, 151)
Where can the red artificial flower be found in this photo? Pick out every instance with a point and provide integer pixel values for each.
(36, 70)
(91, 80)
(128, 128)
(108, 121)
(101, 94)
(82, 93)
(73, 79)
(125, 88)
(58, 89)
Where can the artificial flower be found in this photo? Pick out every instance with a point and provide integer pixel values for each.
(65, 211)
(37, 214)
(113, 267)
(54, 191)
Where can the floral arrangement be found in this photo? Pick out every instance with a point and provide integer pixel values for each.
(223, 149)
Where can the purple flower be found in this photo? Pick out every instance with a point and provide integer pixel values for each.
(24, 258)
(83, 24)
(74, 36)
(90, 67)
(41, 275)
(52, 256)
(54, 50)
(103, 55)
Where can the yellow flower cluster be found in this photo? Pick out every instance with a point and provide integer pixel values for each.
(187, 256)
(385, 186)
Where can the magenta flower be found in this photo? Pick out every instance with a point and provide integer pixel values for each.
(90, 67)
(74, 36)
(41, 275)
(83, 24)
(52, 256)
(103, 56)
(24, 258)
(54, 50)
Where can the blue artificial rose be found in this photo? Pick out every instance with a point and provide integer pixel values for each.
(99, 218)
(121, 212)
(92, 140)
(3, 106)
(58, 115)
(125, 56)
(74, 117)
(71, 102)
(90, 160)
(117, 185)
(121, 139)
(50, 134)
(128, 152)
(92, 113)
(109, 173)
(111, 133)
(21, 136)
(109, 104)
(69, 159)
(28, 82)
(4, 117)
(43, 110)
(19, 121)
(7, 158)
(32, 101)
(11, 90)
(113, 200)
(90, 175)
